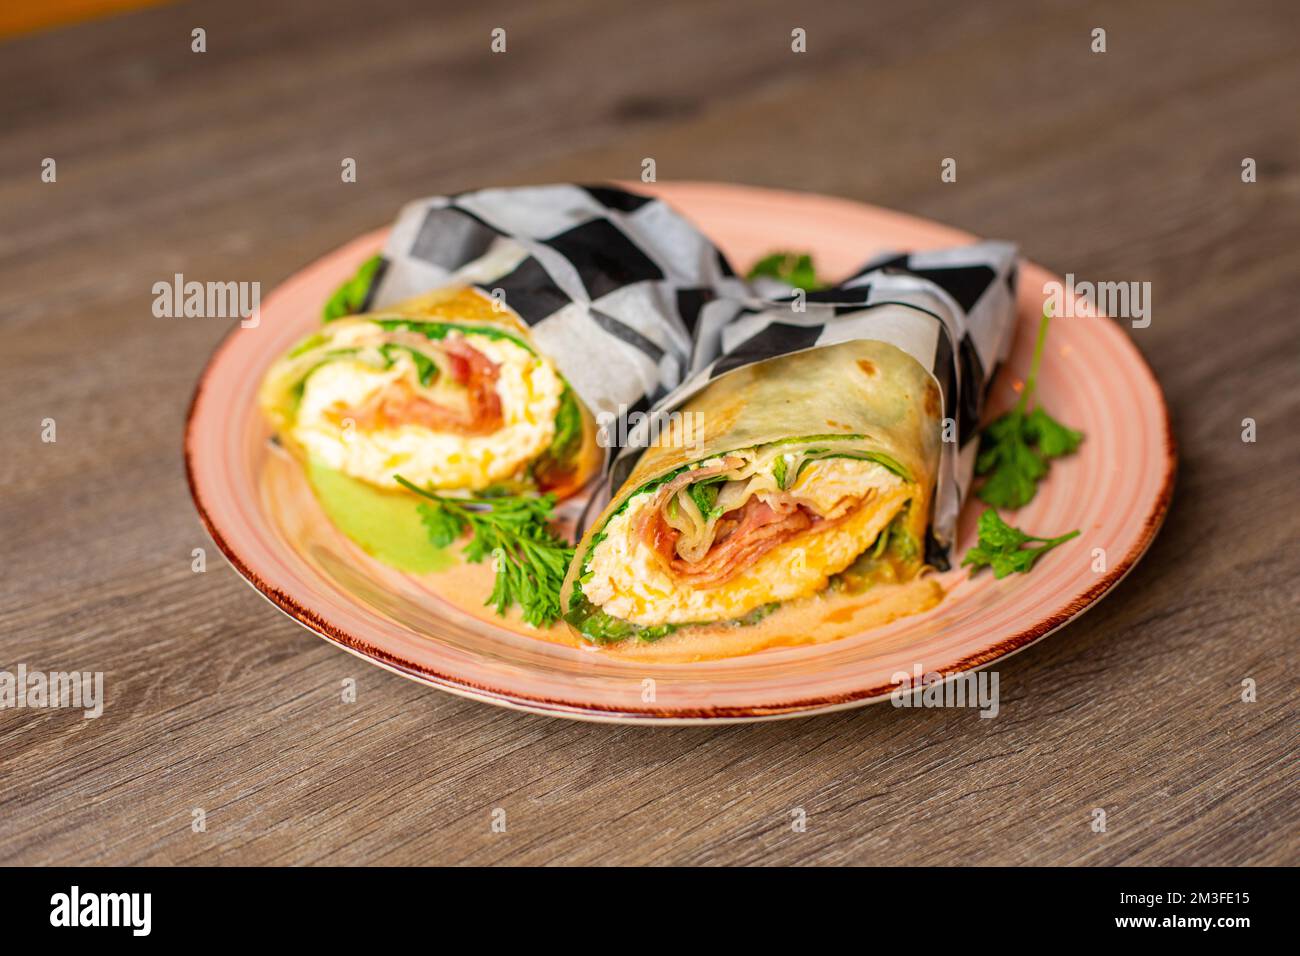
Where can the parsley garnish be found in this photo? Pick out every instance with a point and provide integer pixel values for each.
(350, 297)
(1015, 449)
(1000, 547)
(530, 559)
(792, 268)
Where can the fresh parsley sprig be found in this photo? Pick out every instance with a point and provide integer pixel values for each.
(792, 268)
(349, 298)
(530, 559)
(1015, 449)
(1000, 547)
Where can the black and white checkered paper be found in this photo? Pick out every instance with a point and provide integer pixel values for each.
(640, 311)
(610, 283)
(953, 310)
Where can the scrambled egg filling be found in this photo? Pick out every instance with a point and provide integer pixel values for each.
(529, 388)
(627, 580)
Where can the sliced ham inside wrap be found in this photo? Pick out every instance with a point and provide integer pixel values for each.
(811, 463)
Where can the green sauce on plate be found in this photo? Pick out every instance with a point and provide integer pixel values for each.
(384, 524)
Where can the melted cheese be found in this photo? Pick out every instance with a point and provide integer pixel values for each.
(628, 581)
(529, 388)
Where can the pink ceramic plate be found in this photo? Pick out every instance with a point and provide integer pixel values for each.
(1116, 490)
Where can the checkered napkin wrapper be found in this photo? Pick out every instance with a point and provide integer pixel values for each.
(953, 310)
(610, 283)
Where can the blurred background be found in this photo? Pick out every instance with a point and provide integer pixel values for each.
(225, 164)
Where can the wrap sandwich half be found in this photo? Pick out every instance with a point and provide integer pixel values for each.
(812, 466)
(446, 390)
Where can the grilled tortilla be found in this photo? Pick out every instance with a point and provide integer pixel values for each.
(808, 462)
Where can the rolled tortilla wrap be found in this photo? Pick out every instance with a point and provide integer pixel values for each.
(805, 463)
(445, 391)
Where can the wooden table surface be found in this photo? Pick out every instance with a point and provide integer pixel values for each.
(225, 165)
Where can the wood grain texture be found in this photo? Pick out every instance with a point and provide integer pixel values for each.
(225, 165)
